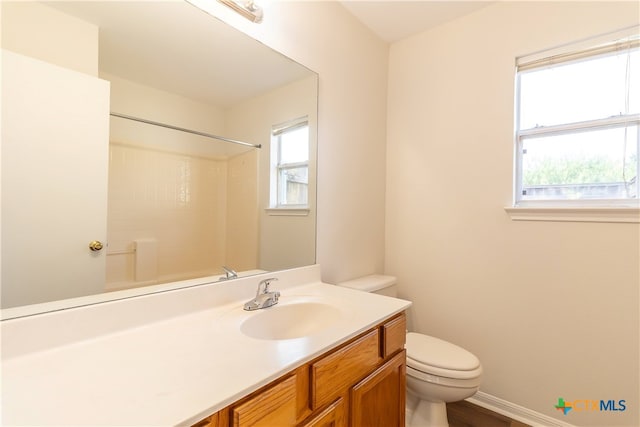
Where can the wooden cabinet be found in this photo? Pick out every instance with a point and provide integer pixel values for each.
(358, 384)
(379, 399)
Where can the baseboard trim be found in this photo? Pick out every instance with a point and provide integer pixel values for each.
(515, 412)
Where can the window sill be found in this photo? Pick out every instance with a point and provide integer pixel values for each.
(575, 214)
(287, 211)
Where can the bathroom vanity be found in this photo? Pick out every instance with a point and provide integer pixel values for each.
(360, 383)
(324, 355)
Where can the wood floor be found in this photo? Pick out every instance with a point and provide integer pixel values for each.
(466, 414)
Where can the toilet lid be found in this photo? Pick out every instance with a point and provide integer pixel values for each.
(433, 352)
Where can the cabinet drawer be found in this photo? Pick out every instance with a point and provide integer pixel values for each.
(394, 335)
(335, 373)
(275, 406)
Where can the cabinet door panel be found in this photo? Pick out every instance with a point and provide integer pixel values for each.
(275, 406)
(379, 399)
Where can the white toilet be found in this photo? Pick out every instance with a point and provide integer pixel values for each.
(437, 371)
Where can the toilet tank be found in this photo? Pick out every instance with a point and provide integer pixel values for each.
(375, 283)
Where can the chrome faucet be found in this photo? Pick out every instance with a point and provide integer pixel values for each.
(230, 273)
(264, 298)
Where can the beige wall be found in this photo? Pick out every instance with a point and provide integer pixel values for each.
(550, 308)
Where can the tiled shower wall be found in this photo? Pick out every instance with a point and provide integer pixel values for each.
(177, 201)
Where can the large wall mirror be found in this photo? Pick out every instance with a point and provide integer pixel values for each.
(114, 180)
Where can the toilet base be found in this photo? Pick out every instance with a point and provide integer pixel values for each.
(423, 413)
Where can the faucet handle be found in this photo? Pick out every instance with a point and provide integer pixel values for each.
(266, 283)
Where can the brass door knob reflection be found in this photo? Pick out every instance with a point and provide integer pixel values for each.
(96, 246)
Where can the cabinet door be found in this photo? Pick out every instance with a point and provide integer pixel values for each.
(333, 416)
(275, 406)
(379, 399)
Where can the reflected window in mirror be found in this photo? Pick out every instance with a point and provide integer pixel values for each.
(290, 164)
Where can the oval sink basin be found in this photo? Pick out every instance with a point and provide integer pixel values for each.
(295, 320)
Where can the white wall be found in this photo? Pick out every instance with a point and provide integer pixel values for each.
(352, 67)
(551, 309)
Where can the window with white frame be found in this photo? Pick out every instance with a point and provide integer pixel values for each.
(577, 122)
(290, 164)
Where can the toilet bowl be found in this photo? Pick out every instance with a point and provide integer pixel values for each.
(437, 371)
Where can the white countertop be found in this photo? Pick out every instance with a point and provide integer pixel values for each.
(171, 371)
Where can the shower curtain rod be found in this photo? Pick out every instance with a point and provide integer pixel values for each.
(194, 132)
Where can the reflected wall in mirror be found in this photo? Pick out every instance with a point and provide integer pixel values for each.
(167, 205)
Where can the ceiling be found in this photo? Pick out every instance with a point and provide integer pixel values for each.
(396, 20)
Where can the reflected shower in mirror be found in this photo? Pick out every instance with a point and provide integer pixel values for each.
(169, 205)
